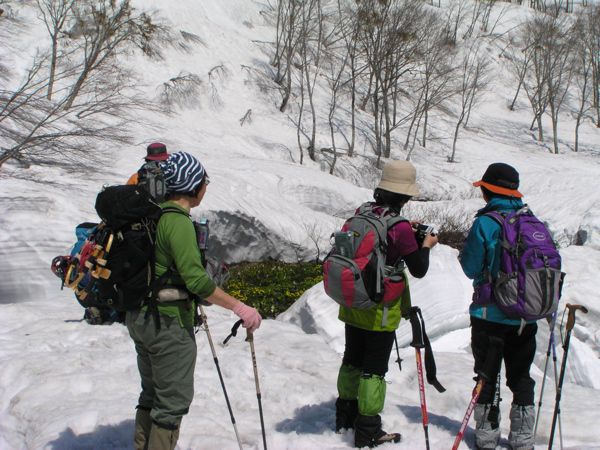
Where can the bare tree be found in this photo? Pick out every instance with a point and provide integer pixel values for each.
(560, 46)
(336, 70)
(519, 57)
(288, 18)
(108, 26)
(96, 98)
(9, 26)
(535, 82)
(390, 39)
(55, 14)
(310, 48)
(549, 74)
(456, 13)
(473, 72)
(182, 90)
(433, 77)
(35, 130)
(583, 68)
(592, 43)
(349, 27)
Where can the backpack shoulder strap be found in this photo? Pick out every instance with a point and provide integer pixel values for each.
(172, 209)
(497, 216)
(393, 219)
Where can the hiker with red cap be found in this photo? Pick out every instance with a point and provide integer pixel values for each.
(156, 151)
(480, 261)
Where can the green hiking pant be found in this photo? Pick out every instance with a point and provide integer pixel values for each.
(166, 360)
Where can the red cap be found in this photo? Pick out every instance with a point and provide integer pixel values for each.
(156, 152)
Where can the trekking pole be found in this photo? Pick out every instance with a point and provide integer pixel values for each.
(250, 340)
(416, 323)
(570, 325)
(398, 359)
(214, 353)
(491, 366)
(551, 348)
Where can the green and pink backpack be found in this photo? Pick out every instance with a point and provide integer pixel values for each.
(355, 273)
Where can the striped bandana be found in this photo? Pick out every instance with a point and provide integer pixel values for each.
(183, 172)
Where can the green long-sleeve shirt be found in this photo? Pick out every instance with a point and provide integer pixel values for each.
(176, 247)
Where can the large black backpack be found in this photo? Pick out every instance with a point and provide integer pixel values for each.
(130, 216)
(115, 265)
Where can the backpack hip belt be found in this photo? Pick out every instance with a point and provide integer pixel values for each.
(172, 294)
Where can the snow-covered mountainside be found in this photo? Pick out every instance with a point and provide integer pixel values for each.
(67, 385)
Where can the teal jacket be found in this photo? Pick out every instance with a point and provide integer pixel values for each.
(480, 257)
(176, 247)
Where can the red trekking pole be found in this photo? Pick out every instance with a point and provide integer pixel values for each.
(491, 367)
(570, 325)
(419, 341)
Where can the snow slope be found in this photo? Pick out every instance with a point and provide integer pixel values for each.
(67, 385)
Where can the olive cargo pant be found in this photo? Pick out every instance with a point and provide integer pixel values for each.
(166, 360)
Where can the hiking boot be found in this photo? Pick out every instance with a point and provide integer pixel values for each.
(522, 420)
(487, 434)
(368, 432)
(163, 437)
(143, 423)
(345, 413)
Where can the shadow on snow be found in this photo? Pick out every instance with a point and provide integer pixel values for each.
(310, 419)
(115, 437)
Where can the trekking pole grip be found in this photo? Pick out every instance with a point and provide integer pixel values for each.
(416, 323)
(571, 317)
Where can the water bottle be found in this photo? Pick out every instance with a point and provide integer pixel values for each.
(344, 243)
(202, 233)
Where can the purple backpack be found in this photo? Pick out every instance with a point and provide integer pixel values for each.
(529, 280)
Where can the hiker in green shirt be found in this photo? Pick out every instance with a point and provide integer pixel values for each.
(166, 352)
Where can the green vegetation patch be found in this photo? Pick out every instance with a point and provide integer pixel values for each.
(271, 287)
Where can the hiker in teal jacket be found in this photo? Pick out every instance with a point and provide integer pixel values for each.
(166, 354)
(370, 333)
(480, 261)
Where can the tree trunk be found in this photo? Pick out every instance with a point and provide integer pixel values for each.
(299, 124)
(76, 88)
(425, 121)
(388, 132)
(577, 123)
(554, 131)
(52, 67)
(512, 104)
(365, 100)
(352, 114)
(451, 159)
(287, 89)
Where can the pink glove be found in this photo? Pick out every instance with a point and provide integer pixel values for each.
(249, 316)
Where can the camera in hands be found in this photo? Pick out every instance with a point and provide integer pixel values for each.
(421, 231)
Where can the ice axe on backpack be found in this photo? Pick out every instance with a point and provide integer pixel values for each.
(250, 340)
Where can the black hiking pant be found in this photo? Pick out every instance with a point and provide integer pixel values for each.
(517, 354)
(367, 350)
